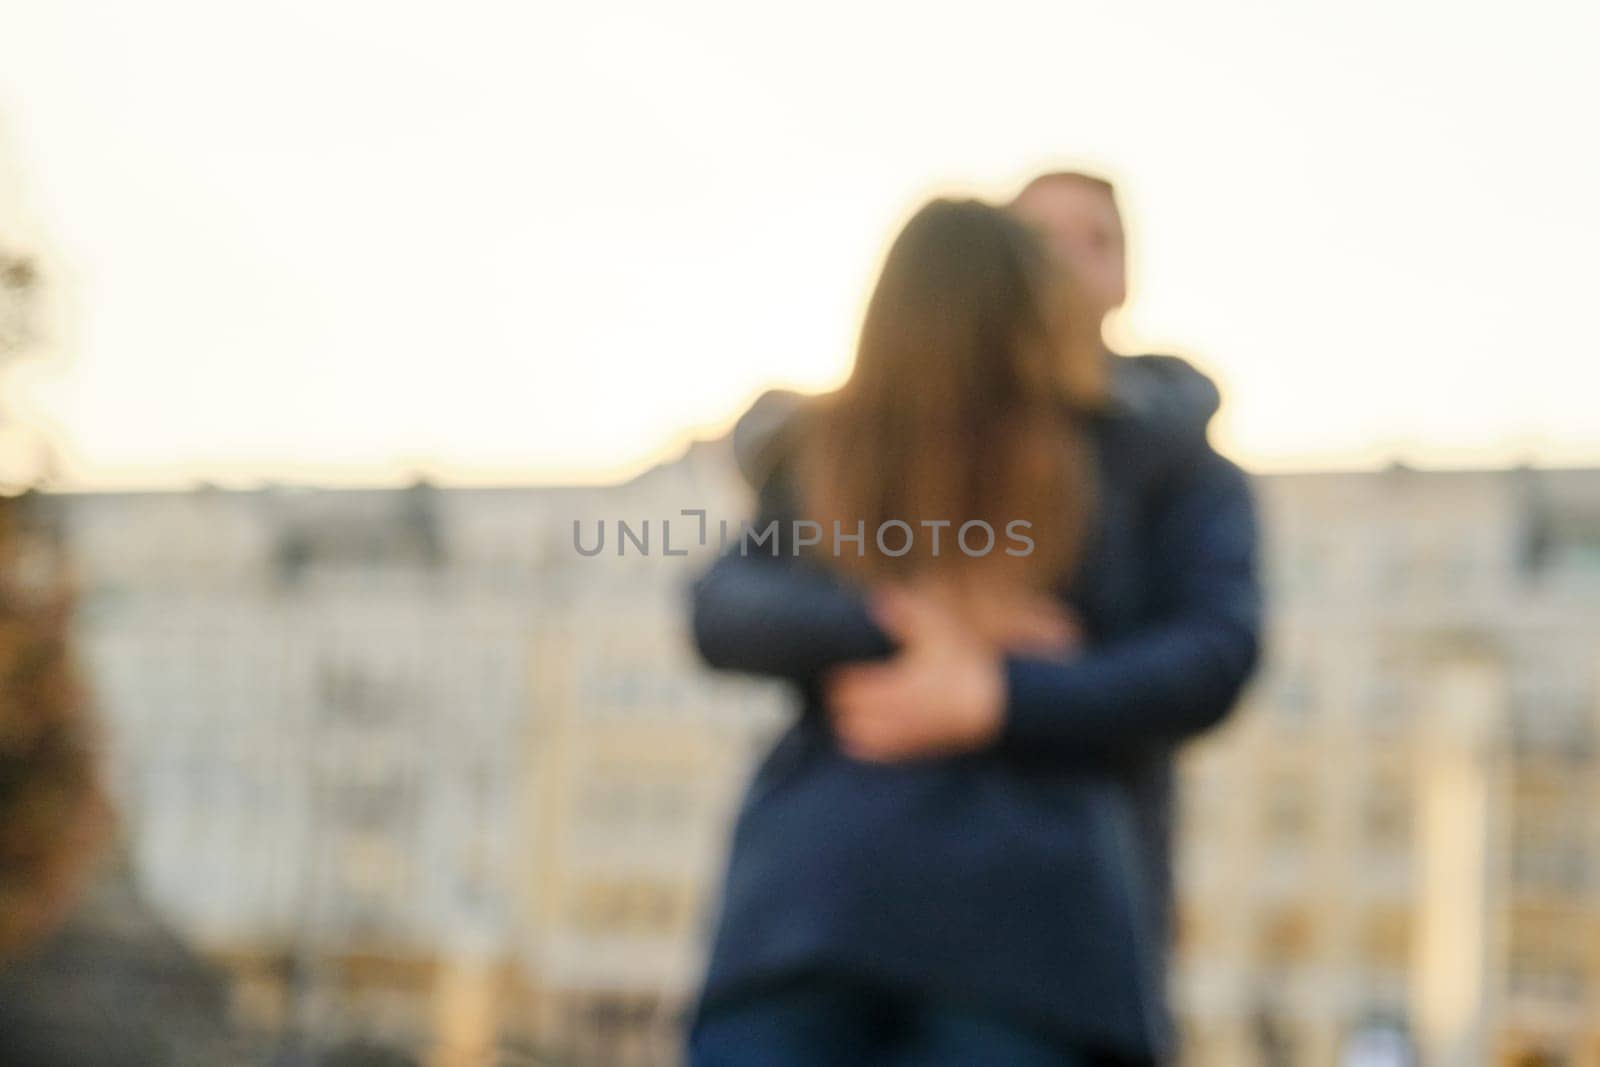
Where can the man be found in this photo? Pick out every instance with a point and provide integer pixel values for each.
(1131, 703)
(1081, 222)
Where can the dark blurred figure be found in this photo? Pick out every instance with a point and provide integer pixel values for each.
(113, 987)
(53, 812)
(88, 978)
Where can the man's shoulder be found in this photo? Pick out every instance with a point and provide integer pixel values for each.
(1167, 393)
(1162, 408)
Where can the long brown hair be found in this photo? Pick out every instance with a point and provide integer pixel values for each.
(974, 368)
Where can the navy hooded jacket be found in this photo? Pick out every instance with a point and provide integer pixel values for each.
(1031, 878)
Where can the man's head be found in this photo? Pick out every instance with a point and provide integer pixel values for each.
(1081, 223)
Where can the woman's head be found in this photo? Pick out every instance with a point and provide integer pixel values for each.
(974, 357)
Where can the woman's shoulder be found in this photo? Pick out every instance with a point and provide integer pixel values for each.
(763, 440)
(763, 434)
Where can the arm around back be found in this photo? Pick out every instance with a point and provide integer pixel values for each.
(761, 610)
(1182, 672)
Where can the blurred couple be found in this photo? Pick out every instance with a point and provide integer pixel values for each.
(960, 850)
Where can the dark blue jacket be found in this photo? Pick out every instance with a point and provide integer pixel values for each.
(1033, 877)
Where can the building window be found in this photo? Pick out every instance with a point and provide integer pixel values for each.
(1386, 812)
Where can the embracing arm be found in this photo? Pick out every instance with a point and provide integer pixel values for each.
(760, 610)
(1178, 675)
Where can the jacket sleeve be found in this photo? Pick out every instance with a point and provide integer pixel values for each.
(1180, 673)
(761, 610)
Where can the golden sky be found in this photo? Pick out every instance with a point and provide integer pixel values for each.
(539, 242)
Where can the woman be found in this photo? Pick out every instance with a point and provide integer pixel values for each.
(940, 861)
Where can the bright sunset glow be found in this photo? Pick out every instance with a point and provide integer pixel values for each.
(509, 242)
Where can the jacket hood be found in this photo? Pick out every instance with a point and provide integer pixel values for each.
(1167, 390)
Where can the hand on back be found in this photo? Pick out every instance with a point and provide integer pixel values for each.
(944, 691)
